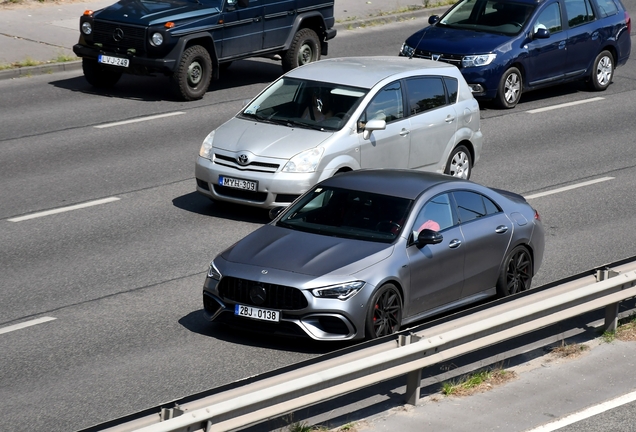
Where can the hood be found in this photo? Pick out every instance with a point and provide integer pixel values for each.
(149, 13)
(267, 140)
(446, 40)
(305, 253)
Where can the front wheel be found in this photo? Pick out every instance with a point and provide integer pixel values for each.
(602, 71)
(510, 88)
(516, 272)
(192, 77)
(305, 48)
(384, 315)
(459, 163)
(98, 77)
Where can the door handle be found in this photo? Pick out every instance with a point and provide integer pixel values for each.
(450, 119)
(454, 243)
(404, 132)
(501, 229)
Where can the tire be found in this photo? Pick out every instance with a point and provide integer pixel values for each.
(192, 78)
(516, 272)
(98, 77)
(602, 71)
(305, 48)
(384, 315)
(459, 163)
(510, 88)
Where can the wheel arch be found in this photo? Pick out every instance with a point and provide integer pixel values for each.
(310, 20)
(203, 39)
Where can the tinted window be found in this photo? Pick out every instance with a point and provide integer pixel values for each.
(549, 18)
(425, 93)
(492, 16)
(471, 205)
(387, 104)
(579, 12)
(606, 8)
(436, 215)
(452, 87)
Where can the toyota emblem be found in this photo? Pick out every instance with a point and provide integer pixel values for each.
(242, 159)
(118, 35)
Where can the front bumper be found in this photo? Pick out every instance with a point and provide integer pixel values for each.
(137, 64)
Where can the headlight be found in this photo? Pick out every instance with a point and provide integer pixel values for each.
(87, 28)
(304, 162)
(340, 292)
(478, 60)
(407, 50)
(206, 148)
(213, 272)
(156, 39)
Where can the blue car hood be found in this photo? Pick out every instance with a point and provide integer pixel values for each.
(147, 13)
(446, 40)
(306, 253)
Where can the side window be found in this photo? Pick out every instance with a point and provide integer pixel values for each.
(436, 215)
(471, 205)
(425, 93)
(550, 19)
(579, 12)
(387, 104)
(452, 87)
(606, 8)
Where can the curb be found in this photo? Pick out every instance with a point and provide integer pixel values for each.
(51, 68)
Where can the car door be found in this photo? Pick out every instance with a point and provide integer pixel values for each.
(433, 120)
(242, 27)
(547, 57)
(487, 232)
(278, 17)
(388, 148)
(584, 39)
(437, 270)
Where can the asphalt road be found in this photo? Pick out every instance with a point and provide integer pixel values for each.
(123, 280)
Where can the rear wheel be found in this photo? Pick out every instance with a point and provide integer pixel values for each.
(305, 48)
(98, 77)
(192, 77)
(459, 163)
(510, 88)
(384, 315)
(516, 273)
(602, 71)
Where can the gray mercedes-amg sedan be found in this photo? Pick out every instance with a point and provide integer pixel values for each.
(365, 253)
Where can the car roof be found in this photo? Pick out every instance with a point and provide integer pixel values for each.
(367, 71)
(403, 183)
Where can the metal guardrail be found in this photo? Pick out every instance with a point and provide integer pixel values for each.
(405, 355)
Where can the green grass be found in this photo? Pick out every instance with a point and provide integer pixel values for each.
(62, 58)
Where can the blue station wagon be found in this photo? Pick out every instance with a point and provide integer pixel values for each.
(506, 47)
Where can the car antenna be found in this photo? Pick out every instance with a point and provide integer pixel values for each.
(418, 43)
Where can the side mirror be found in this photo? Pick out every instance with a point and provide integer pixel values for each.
(243, 3)
(433, 19)
(427, 236)
(372, 125)
(273, 213)
(541, 33)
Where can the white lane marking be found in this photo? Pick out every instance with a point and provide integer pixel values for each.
(567, 188)
(137, 120)
(553, 107)
(25, 324)
(63, 209)
(582, 415)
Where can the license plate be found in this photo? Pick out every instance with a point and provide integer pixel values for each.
(257, 313)
(114, 61)
(233, 183)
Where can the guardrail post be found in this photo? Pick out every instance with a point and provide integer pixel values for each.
(413, 378)
(611, 310)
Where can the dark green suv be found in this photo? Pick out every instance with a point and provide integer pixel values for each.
(191, 40)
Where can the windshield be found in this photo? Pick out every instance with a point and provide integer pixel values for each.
(310, 104)
(348, 214)
(491, 16)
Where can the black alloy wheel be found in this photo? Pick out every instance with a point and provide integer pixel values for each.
(516, 273)
(385, 312)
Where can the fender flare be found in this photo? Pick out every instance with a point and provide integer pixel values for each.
(185, 41)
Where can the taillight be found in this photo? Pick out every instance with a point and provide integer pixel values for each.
(536, 215)
(628, 20)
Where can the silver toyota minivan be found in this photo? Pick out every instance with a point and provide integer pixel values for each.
(339, 115)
